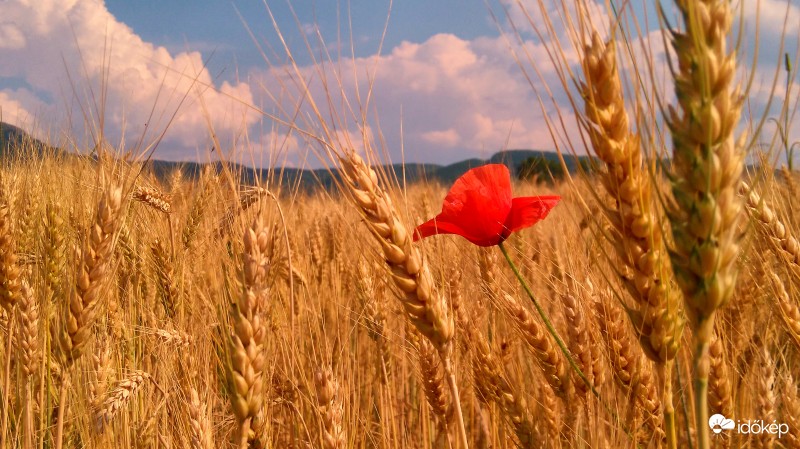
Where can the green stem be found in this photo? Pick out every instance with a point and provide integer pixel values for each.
(682, 391)
(786, 115)
(669, 408)
(701, 371)
(548, 323)
(551, 329)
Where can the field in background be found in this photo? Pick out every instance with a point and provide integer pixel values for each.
(341, 359)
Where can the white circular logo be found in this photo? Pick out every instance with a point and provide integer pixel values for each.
(718, 423)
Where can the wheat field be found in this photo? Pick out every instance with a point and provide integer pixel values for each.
(203, 310)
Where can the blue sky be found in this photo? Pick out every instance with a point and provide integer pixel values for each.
(446, 85)
(215, 24)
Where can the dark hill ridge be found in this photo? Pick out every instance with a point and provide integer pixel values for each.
(12, 138)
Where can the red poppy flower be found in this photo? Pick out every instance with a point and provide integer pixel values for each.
(479, 208)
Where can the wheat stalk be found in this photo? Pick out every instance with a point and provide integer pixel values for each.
(426, 308)
(707, 164)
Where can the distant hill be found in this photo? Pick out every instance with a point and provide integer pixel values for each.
(12, 137)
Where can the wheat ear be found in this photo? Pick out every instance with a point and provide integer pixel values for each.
(789, 310)
(371, 294)
(119, 397)
(28, 326)
(790, 408)
(247, 358)
(636, 232)
(154, 198)
(424, 306)
(637, 236)
(93, 261)
(54, 259)
(720, 396)
(492, 381)
(707, 165)
(165, 272)
(201, 437)
(9, 271)
(199, 206)
(778, 232)
(580, 339)
(331, 409)
(83, 308)
(433, 380)
(550, 361)
(630, 372)
(765, 394)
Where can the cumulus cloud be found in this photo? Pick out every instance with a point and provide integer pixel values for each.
(11, 110)
(66, 52)
(452, 98)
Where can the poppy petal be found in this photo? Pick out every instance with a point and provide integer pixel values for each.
(479, 202)
(527, 211)
(438, 226)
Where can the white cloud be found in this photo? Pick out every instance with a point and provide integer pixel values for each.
(12, 111)
(47, 42)
(447, 138)
(453, 98)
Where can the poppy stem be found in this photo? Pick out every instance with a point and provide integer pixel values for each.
(559, 341)
(547, 322)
